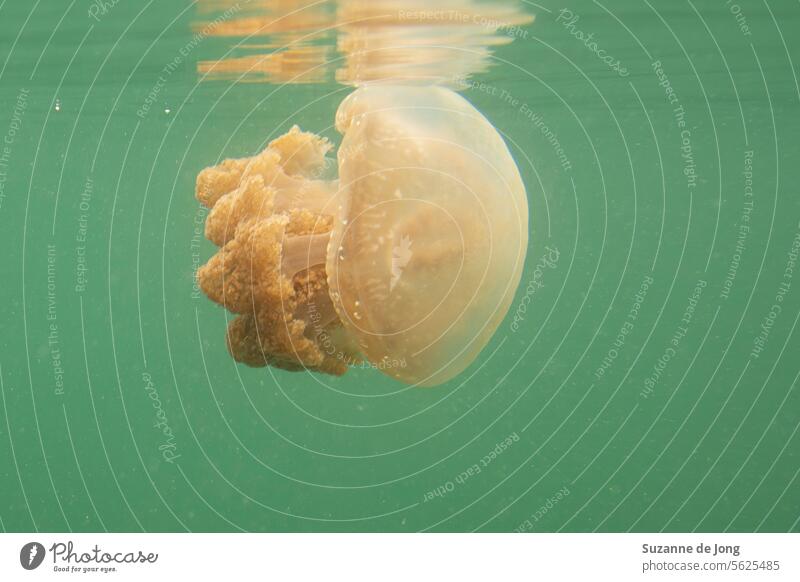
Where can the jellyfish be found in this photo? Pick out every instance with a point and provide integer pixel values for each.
(407, 262)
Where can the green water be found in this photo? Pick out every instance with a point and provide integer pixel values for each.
(648, 383)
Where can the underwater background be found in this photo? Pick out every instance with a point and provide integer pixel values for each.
(645, 378)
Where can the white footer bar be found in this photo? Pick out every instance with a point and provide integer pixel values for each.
(401, 557)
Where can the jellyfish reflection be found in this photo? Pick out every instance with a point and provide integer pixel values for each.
(396, 41)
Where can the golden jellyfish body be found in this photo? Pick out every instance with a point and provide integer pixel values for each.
(410, 260)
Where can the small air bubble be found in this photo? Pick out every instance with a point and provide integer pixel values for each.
(167, 110)
(58, 105)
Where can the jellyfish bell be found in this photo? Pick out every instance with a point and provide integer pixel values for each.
(409, 261)
(430, 240)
